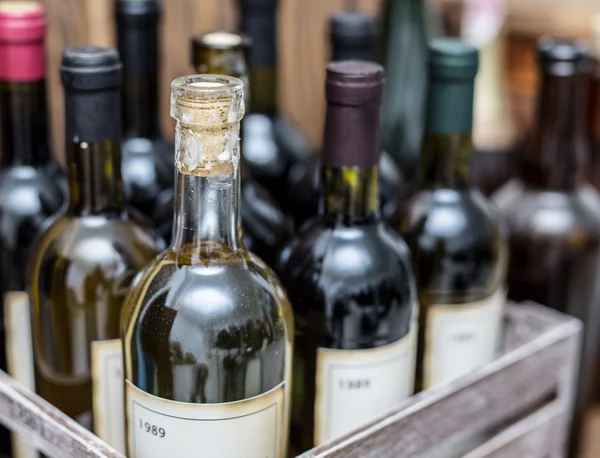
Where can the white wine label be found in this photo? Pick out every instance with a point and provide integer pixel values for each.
(252, 428)
(459, 338)
(19, 354)
(354, 387)
(108, 392)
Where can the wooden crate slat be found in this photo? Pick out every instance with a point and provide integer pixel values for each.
(496, 392)
(45, 427)
(539, 434)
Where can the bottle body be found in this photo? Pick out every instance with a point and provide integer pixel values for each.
(455, 235)
(553, 213)
(207, 329)
(350, 277)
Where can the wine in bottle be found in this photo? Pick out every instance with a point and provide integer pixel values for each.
(30, 183)
(594, 109)
(407, 27)
(82, 265)
(553, 213)
(207, 330)
(147, 164)
(455, 234)
(265, 227)
(353, 36)
(350, 276)
(271, 143)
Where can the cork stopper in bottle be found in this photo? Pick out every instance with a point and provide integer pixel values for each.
(208, 110)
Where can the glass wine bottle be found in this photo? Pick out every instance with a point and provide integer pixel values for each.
(553, 213)
(353, 36)
(350, 276)
(147, 166)
(207, 330)
(82, 265)
(407, 27)
(30, 188)
(456, 236)
(265, 227)
(271, 143)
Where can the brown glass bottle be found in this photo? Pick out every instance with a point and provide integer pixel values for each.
(552, 211)
(350, 277)
(82, 265)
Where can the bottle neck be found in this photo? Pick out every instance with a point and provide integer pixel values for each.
(24, 123)
(556, 152)
(445, 160)
(261, 27)
(207, 210)
(138, 47)
(349, 194)
(95, 185)
(93, 151)
(447, 144)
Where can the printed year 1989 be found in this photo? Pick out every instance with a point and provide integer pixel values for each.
(152, 429)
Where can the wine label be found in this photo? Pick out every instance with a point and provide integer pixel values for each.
(354, 387)
(19, 355)
(252, 428)
(460, 338)
(108, 392)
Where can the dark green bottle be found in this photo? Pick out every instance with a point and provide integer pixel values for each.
(455, 235)
(407, 27)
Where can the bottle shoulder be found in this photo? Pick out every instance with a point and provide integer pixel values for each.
(447, 214)
(549, 213)
(29, 191)
(345, 252)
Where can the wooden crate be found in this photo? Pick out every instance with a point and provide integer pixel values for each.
(517, 406)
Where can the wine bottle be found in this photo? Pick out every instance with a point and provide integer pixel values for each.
(594, 109)
(353, 36)
(455, 235)
(350, 276)
(407, 27)
(265, 227)
(271, 143)
(30, 183)
(553, 213)
(82, 265)
(207, 330)
(147, 167)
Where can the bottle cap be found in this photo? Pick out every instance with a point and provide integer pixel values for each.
(354, 82)
(353, 25)
(561, 57)
(137, 9)
(452, 59)
(90, 68)
(229, 52)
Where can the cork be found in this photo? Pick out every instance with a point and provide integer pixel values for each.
(208, 110)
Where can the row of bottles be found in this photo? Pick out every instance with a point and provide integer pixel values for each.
(393, 288)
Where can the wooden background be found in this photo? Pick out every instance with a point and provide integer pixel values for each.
(303, 48)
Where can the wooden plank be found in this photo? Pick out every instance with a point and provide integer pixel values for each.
(538, 434)
(520, 378)
(45, 427)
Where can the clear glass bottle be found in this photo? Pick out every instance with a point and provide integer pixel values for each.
(456, 236)
(350, 276)
(81, 267)
(264, 225)
(207, 330)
